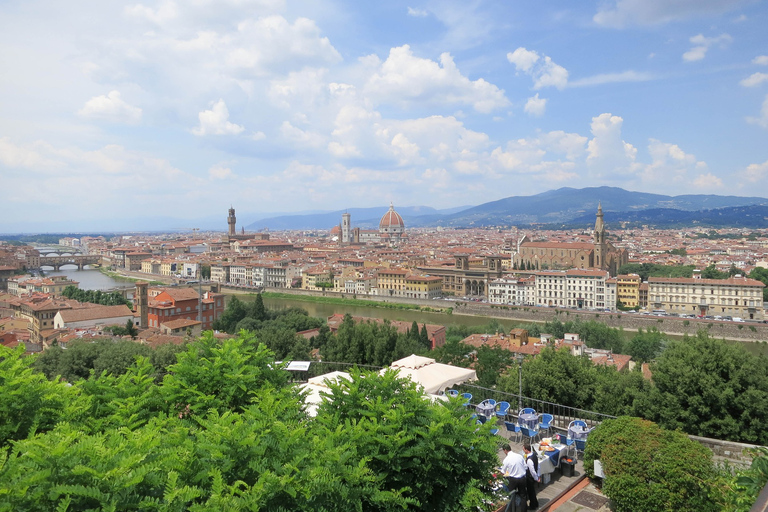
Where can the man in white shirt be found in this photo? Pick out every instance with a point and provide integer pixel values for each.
(514, 468)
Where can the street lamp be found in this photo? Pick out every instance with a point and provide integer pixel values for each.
(520, 358)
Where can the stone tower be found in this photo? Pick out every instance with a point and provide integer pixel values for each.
(601, 247)
(141, 303)
(231, 220)
(345, 228)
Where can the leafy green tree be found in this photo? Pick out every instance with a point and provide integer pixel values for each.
(222, 376)
(491, 363)
(453, 352)
(554, 376)
(745, 485)
(645, 346)
(709, 388)
(433, 453)
(424, 337)
(761, 274)
(28, 401)
(259, 312)
(649, 469)
(233, 313)
(711, 272)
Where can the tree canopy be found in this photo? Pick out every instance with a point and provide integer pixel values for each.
(226, 430)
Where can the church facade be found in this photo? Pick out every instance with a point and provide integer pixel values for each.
(600, 254)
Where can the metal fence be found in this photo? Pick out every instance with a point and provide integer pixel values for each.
(562, 414)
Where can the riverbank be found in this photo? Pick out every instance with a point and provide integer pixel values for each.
(673, 326)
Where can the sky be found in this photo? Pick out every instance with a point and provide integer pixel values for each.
(169, 112)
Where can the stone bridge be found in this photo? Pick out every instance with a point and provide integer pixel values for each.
(81, 260)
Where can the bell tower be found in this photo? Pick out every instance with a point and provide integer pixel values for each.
(231, 221)
(601, 248)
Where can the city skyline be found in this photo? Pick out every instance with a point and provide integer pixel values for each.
(160, 109)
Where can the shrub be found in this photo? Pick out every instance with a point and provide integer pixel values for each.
(649, 469)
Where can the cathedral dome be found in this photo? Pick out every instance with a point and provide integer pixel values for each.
(391, 219)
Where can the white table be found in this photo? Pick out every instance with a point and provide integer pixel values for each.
(528, 420)
(546, 464)
(486, 409)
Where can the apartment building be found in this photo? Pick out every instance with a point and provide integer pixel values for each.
(509, 290)
(401, 283)
(628, 289)
(737, 297)
(575, 288)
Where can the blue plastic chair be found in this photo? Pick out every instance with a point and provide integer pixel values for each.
(452, 393)
(501, 412)
(514, 428)
(481, 419)
(545, 422)
(467, 397)
(527, 410)
(494, 431)
(530, 433)
(490, 401)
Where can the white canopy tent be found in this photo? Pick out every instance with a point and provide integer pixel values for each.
(433, 376)
(317, 384)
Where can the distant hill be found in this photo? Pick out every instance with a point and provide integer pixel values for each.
(562, 207)
(365, 218)
(754, 216)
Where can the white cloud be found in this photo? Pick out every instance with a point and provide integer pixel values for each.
(608, 156)
(219, 172)
(216, 121)
(417, 13)
(523, 59)
(756, 173)
(543, 71)
(303, 139)
(702, 45)
(754, 80)
(763, 119)
(536, 106)
(409, 80)
(612, 78)
(760, 60)
(708, 182)
(621, 13)
(670, 164)
(265, 43)
(165, 12)
(110, 108)
(258, 136)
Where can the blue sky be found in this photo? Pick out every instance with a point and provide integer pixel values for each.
(173, 109)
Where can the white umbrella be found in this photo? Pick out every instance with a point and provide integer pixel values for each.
(317, 384)
(433, 376)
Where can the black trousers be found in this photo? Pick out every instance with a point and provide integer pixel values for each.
(519, 485)
(530, 486)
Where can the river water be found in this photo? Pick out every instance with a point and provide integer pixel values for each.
(324, 310)
(90, 278)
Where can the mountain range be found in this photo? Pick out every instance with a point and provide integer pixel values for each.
(564, 207)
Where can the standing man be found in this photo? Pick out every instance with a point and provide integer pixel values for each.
(513, 467)
(531, 476)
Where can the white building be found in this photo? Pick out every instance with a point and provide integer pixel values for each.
(575, 288)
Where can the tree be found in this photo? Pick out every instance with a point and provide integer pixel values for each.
(645, 346)
(649, 469)
(28, 401)
(130, 328)
(711, 272)
(259, 312)
(554, 376)
(761, 274)
(222, 376)
(710, 388)
(424, 337)
(432, 453)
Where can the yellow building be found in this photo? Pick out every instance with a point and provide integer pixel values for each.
(628, 289)
(317, 279)
(401, 283)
